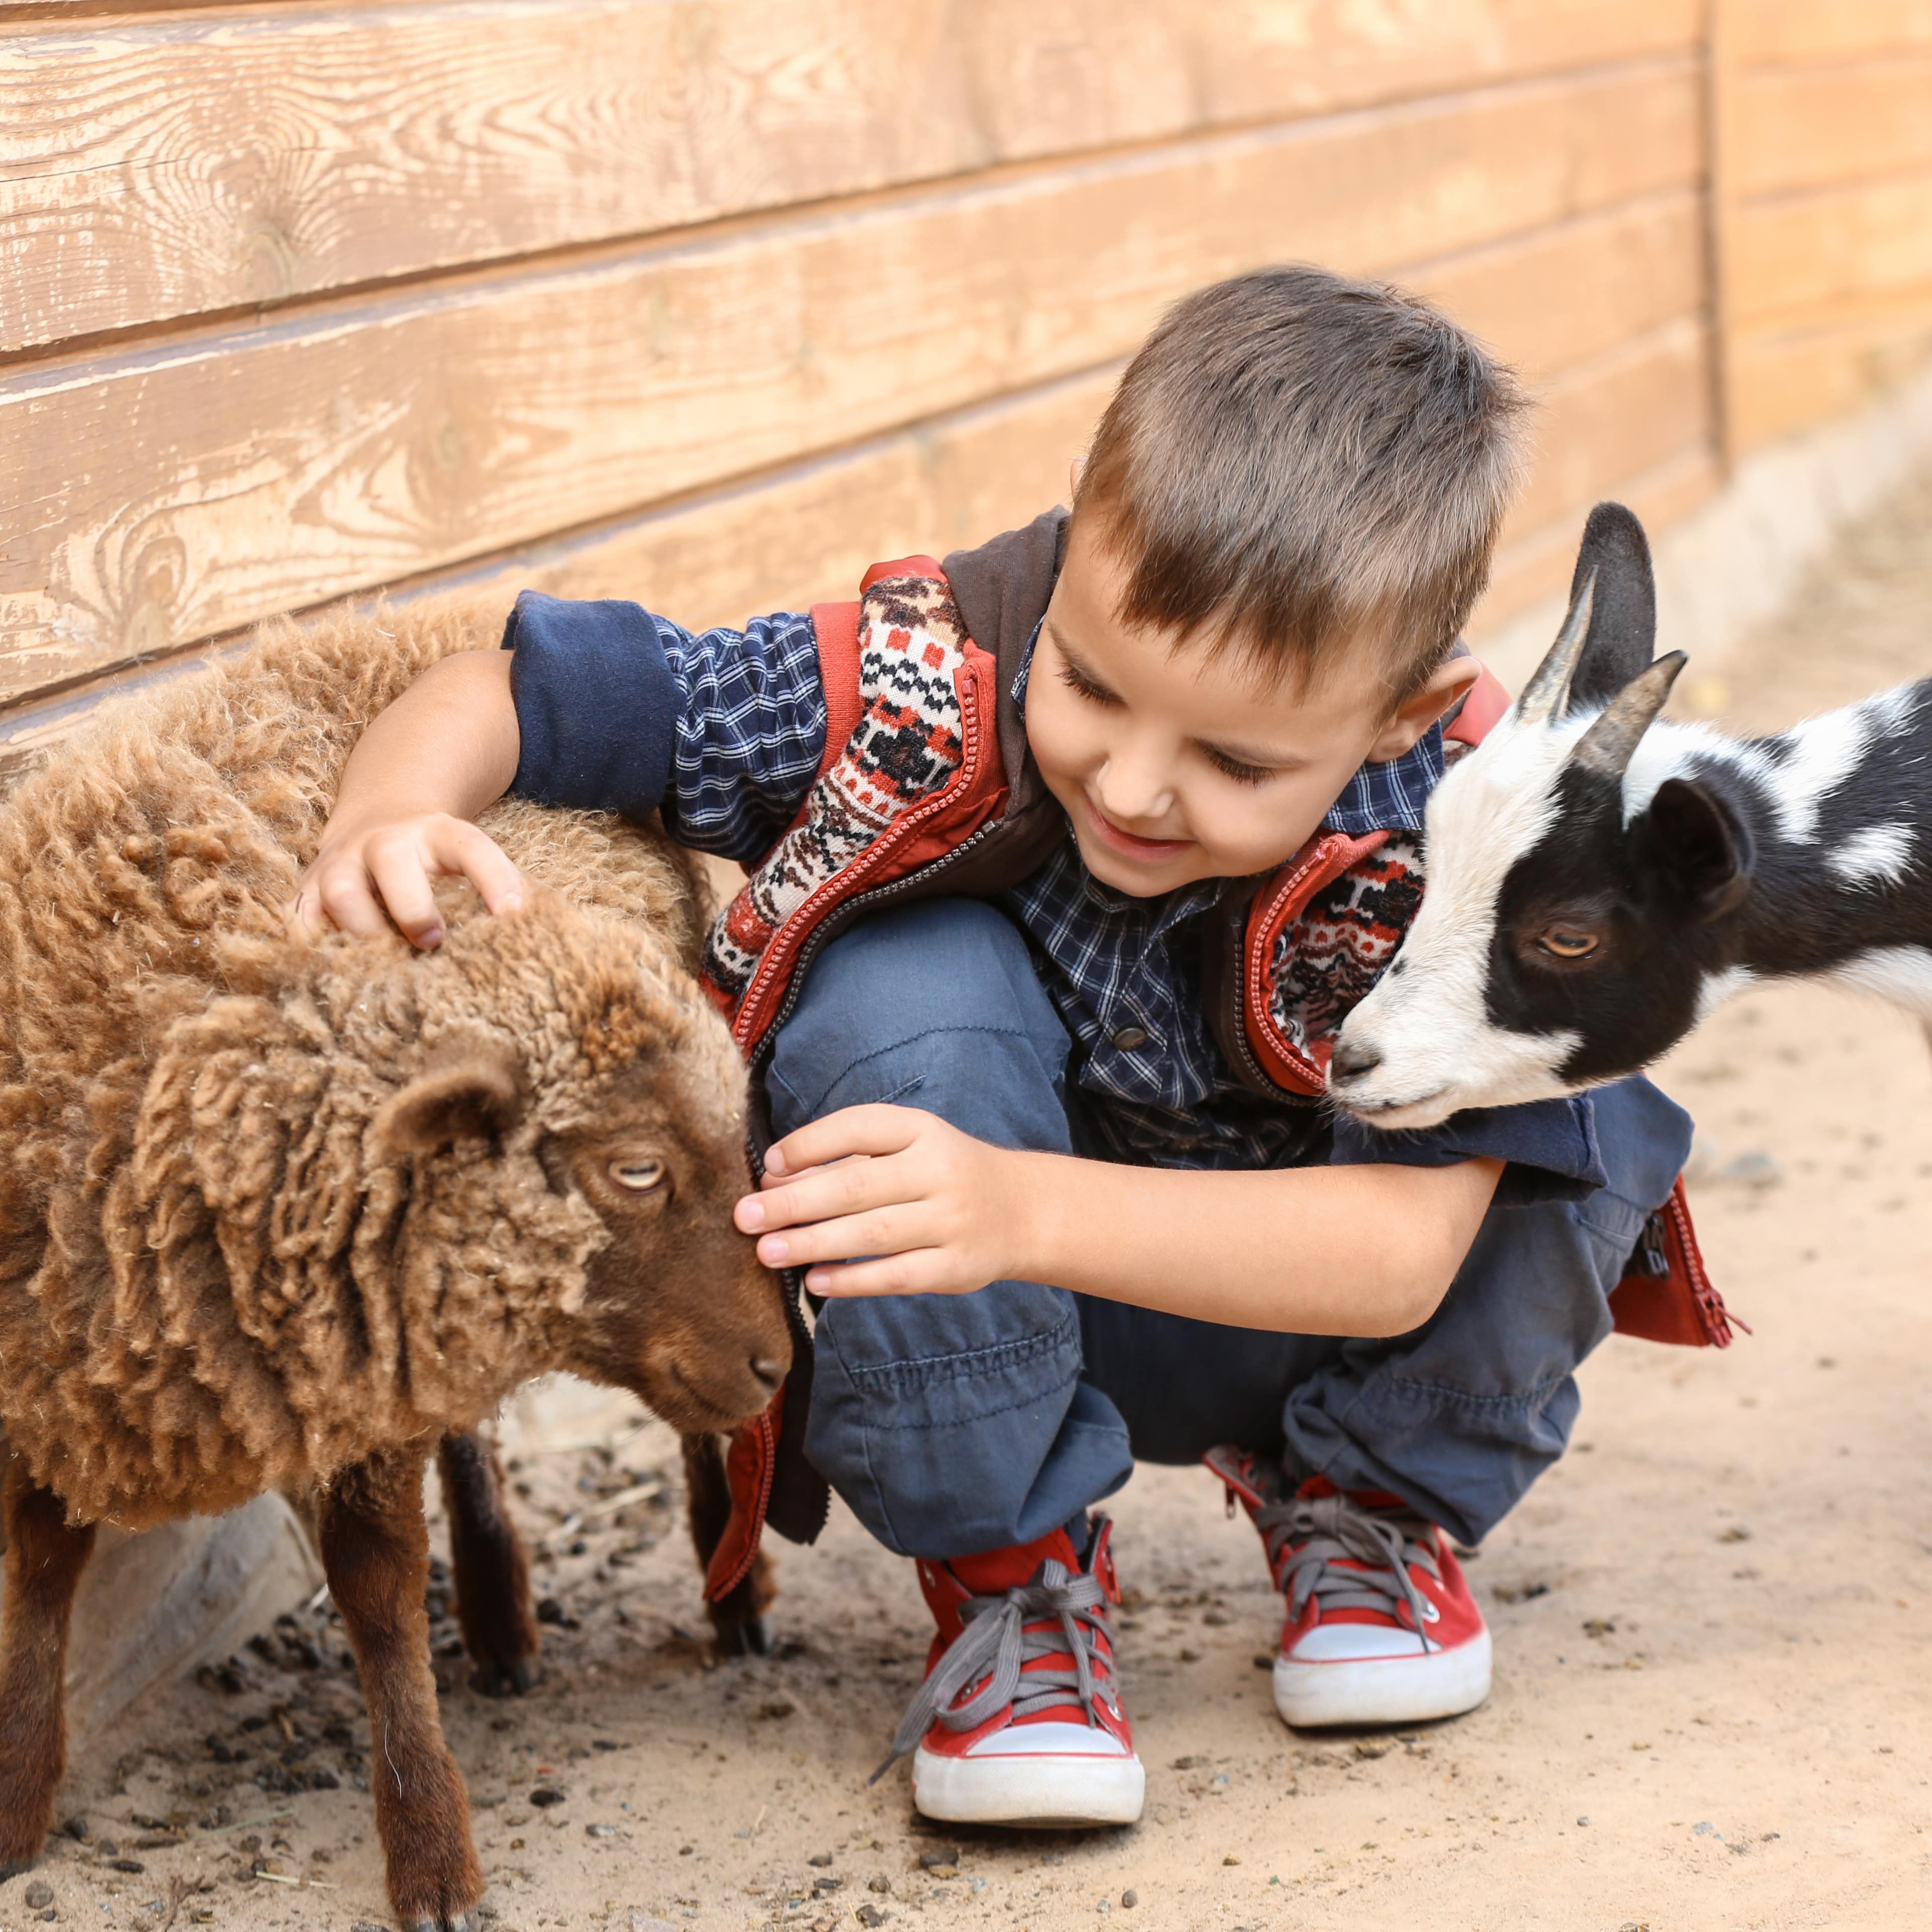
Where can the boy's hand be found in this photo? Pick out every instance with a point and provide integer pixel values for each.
(935, 1211)
(365, 877)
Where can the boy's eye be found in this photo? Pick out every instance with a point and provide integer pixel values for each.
(1242, 773)
(1084, 687)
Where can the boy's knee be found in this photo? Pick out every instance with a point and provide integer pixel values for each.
(924, 1006)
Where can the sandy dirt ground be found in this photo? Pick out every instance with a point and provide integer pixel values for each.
(1713, 1621)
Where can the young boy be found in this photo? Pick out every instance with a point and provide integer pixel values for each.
(1094, 836)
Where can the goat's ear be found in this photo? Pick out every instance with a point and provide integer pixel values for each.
(474, 1094)
(1622, 635)
(1702, 846)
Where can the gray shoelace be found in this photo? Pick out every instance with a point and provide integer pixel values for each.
(997, 1645)
(1387, 1541)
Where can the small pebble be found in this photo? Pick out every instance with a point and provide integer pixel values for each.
(1231, 1859)
(600, 1830)
(1583, 1820)
(939, 1855)
(821, 1859)
(1130, 1898)
(38, 1894)
(545, 1795)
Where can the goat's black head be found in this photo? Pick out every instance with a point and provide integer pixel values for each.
(1574, 913)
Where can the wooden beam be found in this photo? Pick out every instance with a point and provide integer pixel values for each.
(165, 166)
(1805, 32)
(172, 492)
(1792, 379)
(1813, 259)
(1802, 127)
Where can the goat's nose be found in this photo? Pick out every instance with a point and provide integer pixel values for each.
(1351, 1060)
(767, 1373)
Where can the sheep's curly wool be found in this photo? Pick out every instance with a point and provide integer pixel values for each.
(216, 1274)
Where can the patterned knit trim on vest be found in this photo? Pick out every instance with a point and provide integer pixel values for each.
(1326, 960)
(907, 745)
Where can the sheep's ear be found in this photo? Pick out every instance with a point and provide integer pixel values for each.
(474, 1094)
(1702, 846)
(1622, 634)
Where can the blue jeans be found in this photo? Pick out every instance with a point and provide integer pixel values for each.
(953, 1423)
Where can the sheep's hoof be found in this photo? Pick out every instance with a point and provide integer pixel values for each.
(494, 1679)
(14, 1867)
(467, 1922)
(751, 1638)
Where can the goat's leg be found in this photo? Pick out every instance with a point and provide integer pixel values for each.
(375, 1551)
(738, 1619)
(44, 1561)
(493, 1575)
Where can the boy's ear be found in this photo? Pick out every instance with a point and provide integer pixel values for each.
(1449, 681)
(1075, 470)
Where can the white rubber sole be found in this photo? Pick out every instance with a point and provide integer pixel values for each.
(1052, 1790)
(1383, 1690)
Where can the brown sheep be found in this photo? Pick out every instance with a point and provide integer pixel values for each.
(282, 1216)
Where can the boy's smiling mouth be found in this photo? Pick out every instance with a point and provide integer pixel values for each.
(1130, 845)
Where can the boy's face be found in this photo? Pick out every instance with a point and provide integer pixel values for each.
(1175, 765)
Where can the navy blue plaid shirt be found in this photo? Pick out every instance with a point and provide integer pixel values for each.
(723, 732)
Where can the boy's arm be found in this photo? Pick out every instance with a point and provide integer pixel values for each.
(425, 768)
(1363, 1250)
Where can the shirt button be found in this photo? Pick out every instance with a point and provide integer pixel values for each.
(1129, 1037)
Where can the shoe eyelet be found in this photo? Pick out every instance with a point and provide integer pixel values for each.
(1430, 1614)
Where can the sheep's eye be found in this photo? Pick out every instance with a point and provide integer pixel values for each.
(640, 1176)
(1567, 942)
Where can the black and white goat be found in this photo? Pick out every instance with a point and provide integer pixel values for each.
(1599, 879)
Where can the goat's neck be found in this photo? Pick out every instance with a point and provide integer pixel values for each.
(1839, 810)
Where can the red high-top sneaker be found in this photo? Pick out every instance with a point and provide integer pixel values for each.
(1019, 1721)
(1381, 1628)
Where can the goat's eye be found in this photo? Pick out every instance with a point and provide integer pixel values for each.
(1567, 942)
(640, 1176)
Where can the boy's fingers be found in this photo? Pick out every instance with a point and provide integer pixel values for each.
(405, 887)
(303, 919)
(874, 1129)
(343, 899)
(847, 1187)
(881, 1231)
(462, 847)
(920, 1271)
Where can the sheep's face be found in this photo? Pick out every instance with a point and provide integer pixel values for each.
(678, 1308)
(612, 1099)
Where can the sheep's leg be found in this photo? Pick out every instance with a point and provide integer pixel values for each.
(44, 1561)
(493, 1577)
(375, 1551)
(738, 1620)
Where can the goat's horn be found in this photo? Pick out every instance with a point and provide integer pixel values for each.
(1546, 695)
(1610, 743)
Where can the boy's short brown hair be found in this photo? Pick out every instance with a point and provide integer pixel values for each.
(1295, 462)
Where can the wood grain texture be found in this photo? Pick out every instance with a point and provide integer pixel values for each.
(169, 165)
(810, 530)
(1789, 380)
(1816, 258)
(1804, 32)
(1800, 127)
(177, 491)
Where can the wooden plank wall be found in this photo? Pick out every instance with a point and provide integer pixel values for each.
(711, 302)
(1824, 169)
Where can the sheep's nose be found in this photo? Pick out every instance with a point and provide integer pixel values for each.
(1351, 1061)
(767, 1373)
